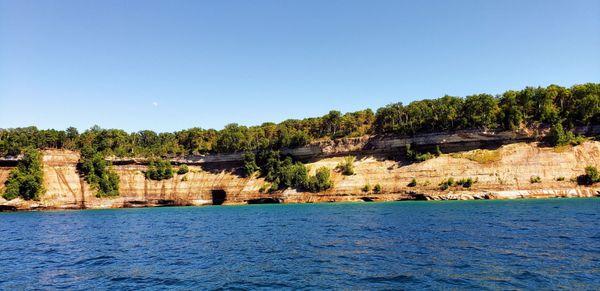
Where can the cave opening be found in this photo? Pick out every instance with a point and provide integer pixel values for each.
(218, 197)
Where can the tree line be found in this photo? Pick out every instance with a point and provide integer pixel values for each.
(553, 105)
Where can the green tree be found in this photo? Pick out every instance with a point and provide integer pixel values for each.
(26, 180)
(250, 166)
(183, 169)
(159, 170)
(99, 174)
(511, 113)
(480, 111)
(557, 136)
(320, 181)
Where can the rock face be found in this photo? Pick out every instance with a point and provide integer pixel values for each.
(502, 173)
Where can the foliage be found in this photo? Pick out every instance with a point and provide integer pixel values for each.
(159, 170)
(366, 188)
(264, 188)
(465, 182)
(413, 183)
(320, 181)
(250, 165)
(283, 172)
(445, 184)
(98, 173)
(183, 169)
(346, 167)
(561, 178)
(578, 105)
(416, 156)
(480, 156)
(26, 180)
(558, 137)
(377, 189)
(535, 179)
(590, 177)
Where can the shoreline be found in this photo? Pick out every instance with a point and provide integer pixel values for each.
(590, 193)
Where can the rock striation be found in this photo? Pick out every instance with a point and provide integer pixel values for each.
(501, 172)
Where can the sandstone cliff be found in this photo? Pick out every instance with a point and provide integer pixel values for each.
(500, 173)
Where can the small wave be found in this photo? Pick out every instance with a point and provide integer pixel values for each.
(454, 281)
(100, 260)
(530, 276)
(391, 279)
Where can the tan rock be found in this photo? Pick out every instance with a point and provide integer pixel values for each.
(504, 177)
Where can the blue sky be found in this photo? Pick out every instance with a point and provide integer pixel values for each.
(169, 65)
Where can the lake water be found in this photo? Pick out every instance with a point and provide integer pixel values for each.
(528, 244)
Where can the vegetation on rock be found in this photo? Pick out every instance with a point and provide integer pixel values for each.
(480, 156)
(413, 183)
(283, 172)
(99, 174)
(377, 189)
(366, 188)
(346, 167)
(183, 169)
(250, 166)
(590, 177)
(446, 184)
(416, 156)
(320, 181)
(465, 182)
(26, 180)
(557, 136)
(535, 179)
(159, 170)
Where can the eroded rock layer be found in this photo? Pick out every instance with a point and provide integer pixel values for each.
(502, 173)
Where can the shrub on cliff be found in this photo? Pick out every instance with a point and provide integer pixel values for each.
(416, 156)
(377, 189)
(557, 136)
(346, 167)
(159, 170)
(535, 179)
(413, 183)
(183, 169)
(292, 175)
(446, 184)
(320, 181)
(99, 174)
(366, 188)
(590, 177)
(284, 173)
(465, 182)
(26, 180)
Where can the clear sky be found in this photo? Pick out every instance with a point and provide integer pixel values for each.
(169, 65)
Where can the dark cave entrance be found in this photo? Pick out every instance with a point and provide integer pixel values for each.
(218, 197)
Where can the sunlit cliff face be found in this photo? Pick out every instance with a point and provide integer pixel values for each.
(504, 172)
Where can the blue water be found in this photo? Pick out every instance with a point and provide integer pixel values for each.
(525, 244)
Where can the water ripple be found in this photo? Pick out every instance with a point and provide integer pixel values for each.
(539, 244)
